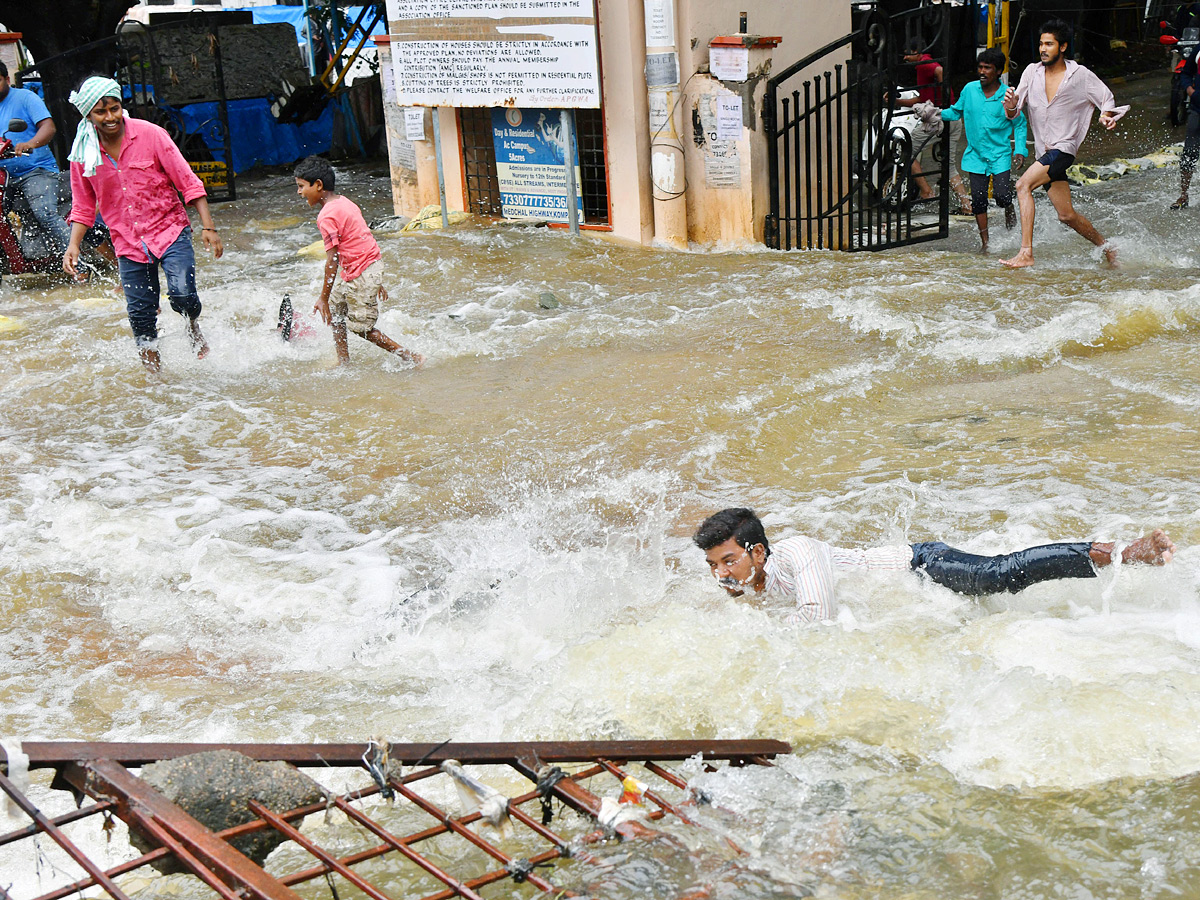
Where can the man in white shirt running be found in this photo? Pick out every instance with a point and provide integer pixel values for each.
(1058, 97)
(740, 558)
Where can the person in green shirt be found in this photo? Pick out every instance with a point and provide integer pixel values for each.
(995, 143)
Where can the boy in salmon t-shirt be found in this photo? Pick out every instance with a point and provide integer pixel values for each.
(353, 302)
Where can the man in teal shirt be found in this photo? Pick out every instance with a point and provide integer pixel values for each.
(995, 143)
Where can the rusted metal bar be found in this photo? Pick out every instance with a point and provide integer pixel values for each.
(141, 803)
(466, 833)
(293, 834)
(54, 754)
(66, 818)
(500, 875)
(649, 794)
(181, 852)
(44, 824)
(363, 855)
(383, 834)
(665, 774)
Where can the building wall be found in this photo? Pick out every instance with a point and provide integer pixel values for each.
(730, 216)
(626, 118)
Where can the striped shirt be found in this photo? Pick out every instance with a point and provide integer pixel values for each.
(802, 568)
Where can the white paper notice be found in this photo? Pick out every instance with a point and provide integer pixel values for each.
(388, 75)
(414, 124)
(729, 63)
(729, 118)
(660, 23)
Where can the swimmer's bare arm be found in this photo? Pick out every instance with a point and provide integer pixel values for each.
(71, 255)
(321, 307)
(1155, 549)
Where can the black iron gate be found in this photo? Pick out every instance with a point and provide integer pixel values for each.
(841, 146)
(160, 68)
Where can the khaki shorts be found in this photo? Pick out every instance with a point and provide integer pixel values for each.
(357, 302)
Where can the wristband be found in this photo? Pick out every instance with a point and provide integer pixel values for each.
(213, 230)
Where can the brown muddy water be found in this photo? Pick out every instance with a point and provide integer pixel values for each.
(261, 547)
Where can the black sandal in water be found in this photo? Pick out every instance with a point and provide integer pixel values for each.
(1181, 203)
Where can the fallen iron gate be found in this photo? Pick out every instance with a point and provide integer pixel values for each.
(840, 151)
(377, 841)
(143, 61)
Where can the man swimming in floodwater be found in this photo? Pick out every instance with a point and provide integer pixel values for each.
(741, 559)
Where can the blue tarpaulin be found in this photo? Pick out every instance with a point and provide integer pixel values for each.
(256, 138)
(295, 16)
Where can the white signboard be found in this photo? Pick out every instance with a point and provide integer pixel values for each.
(524, 53)
(729, 118)
(729, 63)
(414, 123)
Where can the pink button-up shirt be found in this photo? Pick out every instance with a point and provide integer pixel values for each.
(137, 196)
(1063, 123)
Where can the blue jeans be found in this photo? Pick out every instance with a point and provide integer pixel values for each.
(970, 574)
(140, 281)
(39, 188)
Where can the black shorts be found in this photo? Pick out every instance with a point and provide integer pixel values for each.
(1058, 163)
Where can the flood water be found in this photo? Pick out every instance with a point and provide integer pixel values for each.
(262, 547)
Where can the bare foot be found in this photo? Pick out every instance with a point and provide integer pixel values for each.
(1110, 255)
(151, 360)
(983, 247)
(1023, 258)
(1155, 549)
(413, 357)
(199, 344)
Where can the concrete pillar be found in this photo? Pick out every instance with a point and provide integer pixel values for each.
(728, 194)
(667, 163)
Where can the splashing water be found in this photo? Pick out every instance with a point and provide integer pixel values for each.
(259, 546)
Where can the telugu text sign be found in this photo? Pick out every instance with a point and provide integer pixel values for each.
(526, 53)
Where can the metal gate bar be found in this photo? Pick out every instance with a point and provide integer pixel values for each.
(100, 771)
(839, 161)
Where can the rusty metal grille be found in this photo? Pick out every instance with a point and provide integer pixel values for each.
(479, 161)
(391, 804)
(589, 127)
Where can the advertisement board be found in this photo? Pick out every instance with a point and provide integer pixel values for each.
(517, 53)
(530, 164)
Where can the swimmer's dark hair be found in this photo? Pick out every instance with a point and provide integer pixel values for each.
(992, 56)
(1057, 27)
(736, 522)
(314, 169)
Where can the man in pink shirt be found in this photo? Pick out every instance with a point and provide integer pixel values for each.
(351, 303)
(801, 569)
(1058, 97)
(134, 173)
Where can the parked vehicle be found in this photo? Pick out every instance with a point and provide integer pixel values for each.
(1181, 46)
(24, 244)
(888, 168)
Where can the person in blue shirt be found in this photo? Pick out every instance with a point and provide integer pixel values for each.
(995, 143)
(33, 172)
